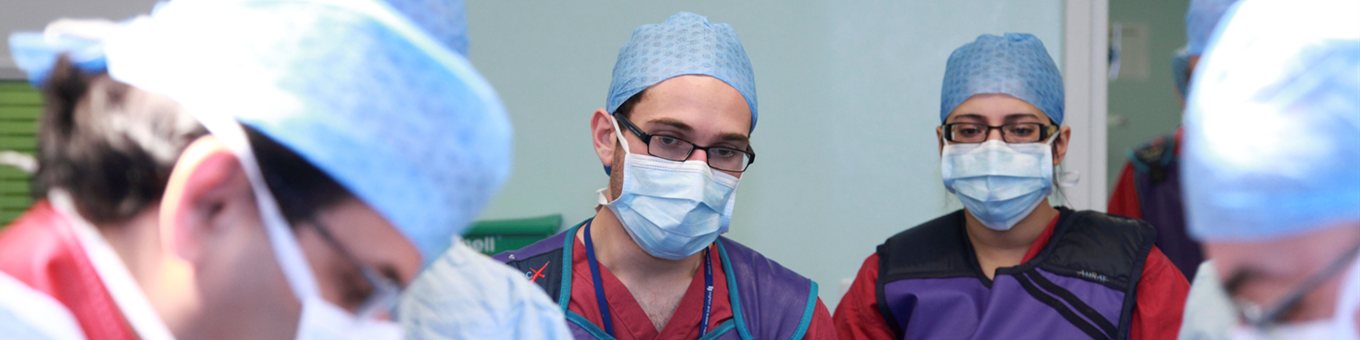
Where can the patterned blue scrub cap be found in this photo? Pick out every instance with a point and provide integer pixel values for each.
(352, 86)
(1200, 20)
(1016, 64)
(446, 20)
(686, 44)
(1272, 126)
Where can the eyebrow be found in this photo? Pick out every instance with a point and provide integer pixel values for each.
(1022, 115)
(679, 125)
(1237, 279)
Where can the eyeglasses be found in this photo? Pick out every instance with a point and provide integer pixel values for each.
(384, 294)
(676, 149)
(1258, 316)
(1010, 133)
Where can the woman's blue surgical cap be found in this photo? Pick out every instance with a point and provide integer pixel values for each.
(446, 20)
(686, 44)
(1015, 64)
(352, 86)
(1272, 126)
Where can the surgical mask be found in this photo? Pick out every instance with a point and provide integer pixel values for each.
(1340, 326)
(672, 209)
(999, 183)
(320, 318)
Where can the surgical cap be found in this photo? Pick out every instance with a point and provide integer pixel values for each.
(444, 19)
(686, 44)
(1272, 126)
(1016, 64)
(402, 122)
(1200, 20)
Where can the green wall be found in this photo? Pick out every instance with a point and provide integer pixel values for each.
(1147, 106)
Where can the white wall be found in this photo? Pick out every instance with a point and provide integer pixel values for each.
(849, 100)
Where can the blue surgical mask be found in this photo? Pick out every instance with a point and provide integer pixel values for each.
(672, 209)
(999, 183)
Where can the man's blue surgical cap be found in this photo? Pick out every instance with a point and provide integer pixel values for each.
(1272, 126)
(352, 86)
(446, 20)
(1200, 20)
(1015, 64)
(686, 44)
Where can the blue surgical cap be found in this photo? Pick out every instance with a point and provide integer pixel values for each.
(1200, 20)
(1272, 126)
(1180, 70)
(387, 110)
(1016, 64)
(686, 44)
(446, 20)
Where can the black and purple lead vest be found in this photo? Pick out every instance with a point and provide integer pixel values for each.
(1081, 285)
(768, 300)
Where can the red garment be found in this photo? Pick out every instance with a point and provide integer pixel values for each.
(1156, 315)
(40, 249)
(631, 322)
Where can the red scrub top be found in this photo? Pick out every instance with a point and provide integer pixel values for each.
(631, 322)
(1157, 314)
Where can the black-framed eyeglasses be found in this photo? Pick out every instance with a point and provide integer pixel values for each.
(676, 149)
(1010, 133)
(1259, 316)
(385, 292)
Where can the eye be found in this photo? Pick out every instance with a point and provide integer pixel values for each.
(967, 130)
(1022, 130)
(666, 140)
(723, 153)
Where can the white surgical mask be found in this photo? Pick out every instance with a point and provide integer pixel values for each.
(320, 318)
(1341, 326)
(672, 209)
(1000, 183)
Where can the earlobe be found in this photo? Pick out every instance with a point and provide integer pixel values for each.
(602, 136)
(204, 181)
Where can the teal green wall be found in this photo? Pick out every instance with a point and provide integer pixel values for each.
(1149, 107)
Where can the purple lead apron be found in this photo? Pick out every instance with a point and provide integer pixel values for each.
(1081, 285)
(1158, 184)
(768, 300)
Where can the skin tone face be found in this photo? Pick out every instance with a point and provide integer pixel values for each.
(210, 224)
(699, 109)
(996, 249)
(1263, 272)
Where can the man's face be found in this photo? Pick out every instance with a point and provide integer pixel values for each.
(238, 289)
(700, 109)
(1264, 272)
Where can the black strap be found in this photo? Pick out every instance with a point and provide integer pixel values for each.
(1066, 296)
(1058, 306)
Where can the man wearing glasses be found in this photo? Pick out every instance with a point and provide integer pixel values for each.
(1272, 141)
(674, 139)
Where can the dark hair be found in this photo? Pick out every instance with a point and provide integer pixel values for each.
(301, 189)
(112, 146)
(626, 109)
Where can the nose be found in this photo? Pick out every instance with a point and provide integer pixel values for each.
(698, 155)
(995, 131)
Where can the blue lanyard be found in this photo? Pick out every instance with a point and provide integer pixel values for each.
(603, 303)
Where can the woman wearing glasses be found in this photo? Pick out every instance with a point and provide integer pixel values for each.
(1011, 265)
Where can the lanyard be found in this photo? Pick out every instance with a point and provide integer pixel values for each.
(603, 303)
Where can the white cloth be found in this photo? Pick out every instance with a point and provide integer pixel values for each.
(1209, 312)
(467, 295)
(26, 313)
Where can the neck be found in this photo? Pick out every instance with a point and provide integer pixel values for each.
(164, 280)
(616, 250)
(1009, 245)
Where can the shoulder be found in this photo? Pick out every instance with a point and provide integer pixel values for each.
(933, 248)
(26, 313)
(465, 294)
(1098, 223)
(747, 261)
(548, 245)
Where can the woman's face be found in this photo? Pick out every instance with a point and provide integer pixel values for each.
(1001, 109)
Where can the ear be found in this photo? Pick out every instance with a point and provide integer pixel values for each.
(939, 138)
(1060, 144)
(205, 181)
(603, 136)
